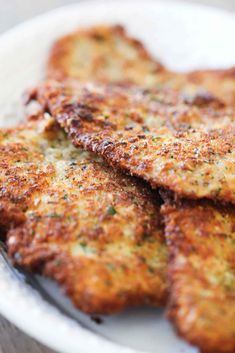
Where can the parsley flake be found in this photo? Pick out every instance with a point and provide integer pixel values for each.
(111, 211)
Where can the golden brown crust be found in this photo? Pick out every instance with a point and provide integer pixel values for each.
(201, 242)
(101, 54)
(182, 142)
(19, 182)
(94, 230)
(106, 54)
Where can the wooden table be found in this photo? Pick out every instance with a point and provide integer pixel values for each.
(12, 12)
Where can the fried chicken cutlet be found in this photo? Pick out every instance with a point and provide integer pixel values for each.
(106, 54)
(93, 230)
(182, 143)
(201, 243)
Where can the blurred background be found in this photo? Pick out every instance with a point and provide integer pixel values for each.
(16, 11)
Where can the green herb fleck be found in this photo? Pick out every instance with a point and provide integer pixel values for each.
(53, 215)
(111, 211)
(156, 138)
(106, 115)
(83, 245)
(65, 197)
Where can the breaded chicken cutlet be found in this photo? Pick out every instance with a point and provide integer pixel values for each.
(106, 54)
(201, 242)
(93, 230)
(182, 143)
(102, 53)
(97, 232)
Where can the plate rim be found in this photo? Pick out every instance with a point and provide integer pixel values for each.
(56, 11)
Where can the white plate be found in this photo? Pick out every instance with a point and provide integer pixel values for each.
(182, 36)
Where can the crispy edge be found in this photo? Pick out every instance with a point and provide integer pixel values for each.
(58, 266)
(64, 109)
(178, 308)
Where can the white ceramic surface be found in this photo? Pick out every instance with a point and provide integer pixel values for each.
(184, 37)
